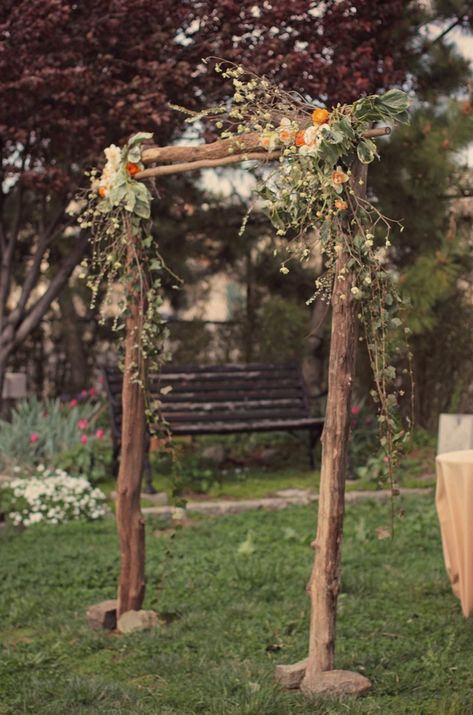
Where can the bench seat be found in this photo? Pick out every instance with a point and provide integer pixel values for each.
(224, 399)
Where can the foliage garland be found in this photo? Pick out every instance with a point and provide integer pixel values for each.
(118, 214)
(311, 200)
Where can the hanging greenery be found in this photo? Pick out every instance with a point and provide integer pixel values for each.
(117, 213)
(310, 196)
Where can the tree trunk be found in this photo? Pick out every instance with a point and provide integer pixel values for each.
(250, 306)
(73, 343)
(324, 584)
(130, 521)
(4, 408)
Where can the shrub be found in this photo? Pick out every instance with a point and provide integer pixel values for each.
(40, 429)
(93, 460)
(51, 497)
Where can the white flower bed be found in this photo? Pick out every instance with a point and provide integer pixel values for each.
(53, 497)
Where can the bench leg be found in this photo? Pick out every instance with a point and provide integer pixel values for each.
(149, 488)
(312, 442)
(314, 436)
(115, 459)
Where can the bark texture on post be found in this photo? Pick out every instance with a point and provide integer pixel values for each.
(130, 521)
(324, 584)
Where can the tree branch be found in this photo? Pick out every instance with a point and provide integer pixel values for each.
(33, 274)
(444, 33)
(12, 339)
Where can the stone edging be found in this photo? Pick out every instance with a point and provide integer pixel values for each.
(282, 499)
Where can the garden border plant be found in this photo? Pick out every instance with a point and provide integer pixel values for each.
(316, 198)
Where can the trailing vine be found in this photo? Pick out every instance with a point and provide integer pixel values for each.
(310, 195)
(118, 215)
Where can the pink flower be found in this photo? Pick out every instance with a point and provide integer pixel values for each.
(92, 392)
(355, 410)
(100, 433)
(84, 439)
(83, 424)
(72, 403)
(34, 437)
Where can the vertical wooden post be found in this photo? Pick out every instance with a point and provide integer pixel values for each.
(324, 584)
(130, 521)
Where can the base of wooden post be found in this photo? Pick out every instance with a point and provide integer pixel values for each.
(330, 682)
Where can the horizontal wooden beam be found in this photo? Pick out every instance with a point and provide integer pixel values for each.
(196, 152)
(245, 147)
(207, 163)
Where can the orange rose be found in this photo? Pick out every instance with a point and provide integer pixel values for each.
(339, 177)
(132, 169)
(320, 116)
(102, 191)
(300, 140)
(341, 205)
(286, 135)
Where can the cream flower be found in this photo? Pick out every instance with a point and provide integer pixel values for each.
(311, 136)
(286, 131)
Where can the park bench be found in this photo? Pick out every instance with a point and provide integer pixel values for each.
(222, 399)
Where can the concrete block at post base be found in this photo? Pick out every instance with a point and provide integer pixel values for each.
(338, 683)
(132, 621)
(290, 676)
(103, 615)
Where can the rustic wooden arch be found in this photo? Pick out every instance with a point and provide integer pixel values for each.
(316, 673)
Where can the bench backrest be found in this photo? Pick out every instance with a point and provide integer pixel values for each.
(223, 393)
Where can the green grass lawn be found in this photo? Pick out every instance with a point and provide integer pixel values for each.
(229, 618)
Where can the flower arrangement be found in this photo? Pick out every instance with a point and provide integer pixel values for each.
(311, 197)
(314, 202)
(52, 497)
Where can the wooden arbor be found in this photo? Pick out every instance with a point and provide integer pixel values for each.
(325, 579)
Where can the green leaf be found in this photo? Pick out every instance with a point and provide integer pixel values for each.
(103, 207)
(366, 151)
(396, 100)
(325, 232)
(141, 191)
(333, 136)
(344, 126)
(130, 200)
(247, 547)
(134, 154)
(117, 194)
(329, 152)
(142, 209)
(138, 138)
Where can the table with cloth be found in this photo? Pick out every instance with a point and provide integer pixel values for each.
(454, 501)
